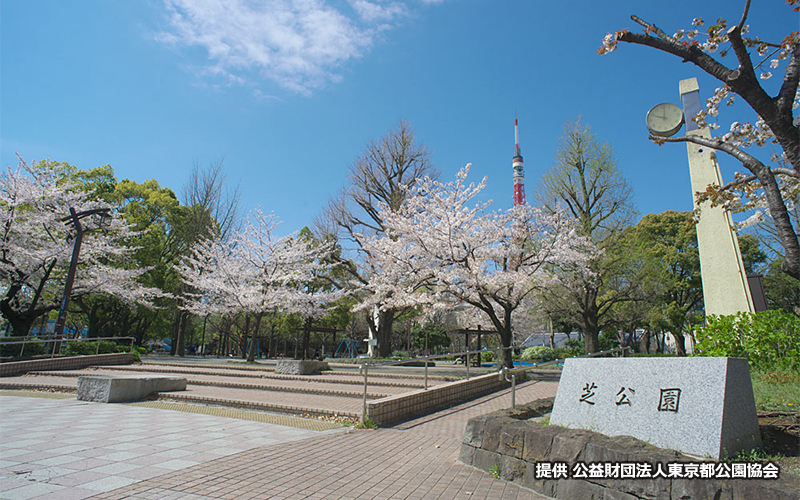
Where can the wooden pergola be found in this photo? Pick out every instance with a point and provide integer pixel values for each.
(479, 332)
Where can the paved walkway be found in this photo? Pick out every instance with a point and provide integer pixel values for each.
(68, 449)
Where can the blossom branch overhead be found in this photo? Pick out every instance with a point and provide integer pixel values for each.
(775, 188)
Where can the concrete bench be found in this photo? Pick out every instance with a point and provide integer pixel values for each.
(124, 388)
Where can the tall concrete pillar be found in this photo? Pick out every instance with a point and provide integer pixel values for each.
(725, 289)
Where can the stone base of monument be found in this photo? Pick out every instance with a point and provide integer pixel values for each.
(570, 464)
(125, 388)
(300, 366)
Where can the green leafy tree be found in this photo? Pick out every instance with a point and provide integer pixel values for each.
(150, 210)
(667, 246)
(435, 334)
(586, 182)
(782, 291)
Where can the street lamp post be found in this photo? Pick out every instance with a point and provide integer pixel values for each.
(75, 219)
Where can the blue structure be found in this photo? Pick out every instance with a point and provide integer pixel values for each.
(349, 349)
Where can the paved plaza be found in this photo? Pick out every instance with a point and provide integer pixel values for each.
(68, 449)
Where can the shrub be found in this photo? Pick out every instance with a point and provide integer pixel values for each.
(607, 341)
(563, 352)
(10, 350)
(770, 340)
(487, 357)
(84, 347)
(576, 345)
(572, 348)
(541, 352)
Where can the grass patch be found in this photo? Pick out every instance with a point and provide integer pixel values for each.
(756, 455)
(367, 424)
(776, 390)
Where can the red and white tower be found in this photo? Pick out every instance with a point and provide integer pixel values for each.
(516, 163)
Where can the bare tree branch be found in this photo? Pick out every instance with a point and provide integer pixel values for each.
(750, 162)
(775, 202)
(689, 53)
(744, 15)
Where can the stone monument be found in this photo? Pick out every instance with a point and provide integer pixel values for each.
(699, 406)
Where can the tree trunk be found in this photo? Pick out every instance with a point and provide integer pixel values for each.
(176, 325)
(21, 321)
(306, 338)
(506, 357)
(244, 347)
(21, 324)
(181, 349)
(680, 343)
(506, 335)
(644, 343)
(590, 315)
(251, 355)
(384, 332)
(271, 347)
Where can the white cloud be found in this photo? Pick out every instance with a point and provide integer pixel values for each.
(377, 11)
(298, 44)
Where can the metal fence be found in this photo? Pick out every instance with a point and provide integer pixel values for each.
(57, 343)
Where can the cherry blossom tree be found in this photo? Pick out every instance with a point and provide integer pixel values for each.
(36, 247)
(255, 272)
(438, 247)
(770, 187)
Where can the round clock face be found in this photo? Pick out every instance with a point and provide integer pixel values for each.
(664, 120)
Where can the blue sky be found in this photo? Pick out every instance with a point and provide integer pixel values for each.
(287, 92)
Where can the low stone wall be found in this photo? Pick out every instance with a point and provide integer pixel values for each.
(399, 407)
(300, 366)
(125, 388)
(14, 368)
(507, 443)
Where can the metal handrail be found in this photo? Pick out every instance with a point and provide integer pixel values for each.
(55, 341)
(506, 372)
(364, 368)
(435, 356)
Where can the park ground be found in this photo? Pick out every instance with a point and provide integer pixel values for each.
(207, 446)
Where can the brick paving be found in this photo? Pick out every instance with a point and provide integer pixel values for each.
(412, 460)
